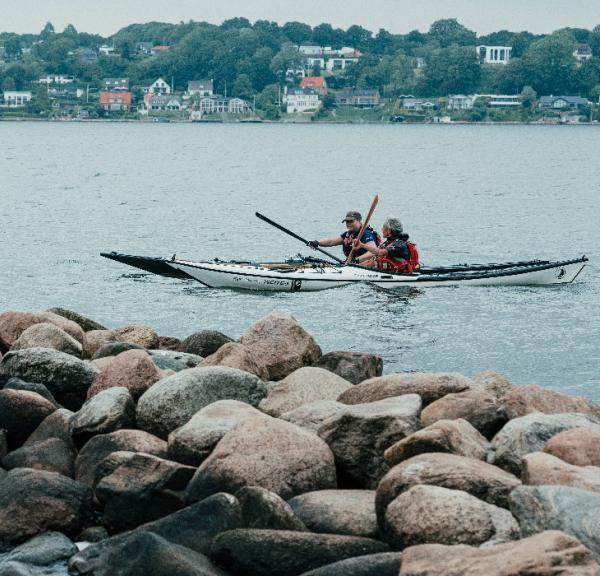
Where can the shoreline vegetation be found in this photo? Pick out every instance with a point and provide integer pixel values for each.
(125, 452)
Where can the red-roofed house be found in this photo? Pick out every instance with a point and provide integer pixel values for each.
(316, 83)
(115, 101)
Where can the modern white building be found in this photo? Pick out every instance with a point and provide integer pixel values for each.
(494, 54)
(460, 102)
(200, 88)
(106, 49)
(158, 87)
(16, 99)
(56, 79)
(301, 100)
(340, 63)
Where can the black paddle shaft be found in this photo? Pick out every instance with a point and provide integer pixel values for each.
(294, 235)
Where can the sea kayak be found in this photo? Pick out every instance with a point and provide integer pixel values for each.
(305, 274)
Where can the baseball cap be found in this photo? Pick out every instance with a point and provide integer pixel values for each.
(352, 215)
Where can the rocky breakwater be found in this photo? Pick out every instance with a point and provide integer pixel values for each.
(264, 457)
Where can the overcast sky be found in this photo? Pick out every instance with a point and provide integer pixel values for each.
(107, 16)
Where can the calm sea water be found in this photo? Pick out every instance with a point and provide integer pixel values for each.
(464, 193)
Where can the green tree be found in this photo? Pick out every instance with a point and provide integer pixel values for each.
(12, 46)
(288, 58)
(528, 96)
(242, 87)
(449, 31)
(47, 32)
(297, 32)
(268, 102)
(358, 38)
(450, 71)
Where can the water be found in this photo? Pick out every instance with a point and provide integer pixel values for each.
(464, 193)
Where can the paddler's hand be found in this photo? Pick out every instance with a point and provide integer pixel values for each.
(313, 244)
(357, 244)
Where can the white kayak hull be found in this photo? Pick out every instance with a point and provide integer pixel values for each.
(256, 277)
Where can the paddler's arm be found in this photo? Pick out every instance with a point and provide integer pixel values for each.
(335, 241)
(369, 247)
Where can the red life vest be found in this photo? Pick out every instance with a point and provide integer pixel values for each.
(400, 266)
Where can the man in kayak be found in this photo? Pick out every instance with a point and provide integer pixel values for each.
(353, 221)
(395, 254)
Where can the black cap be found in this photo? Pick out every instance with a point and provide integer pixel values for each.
(352, 215)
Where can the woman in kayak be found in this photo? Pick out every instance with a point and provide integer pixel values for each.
(353, 221)
(395, 254)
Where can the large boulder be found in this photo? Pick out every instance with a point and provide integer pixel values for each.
(449, 436)
(111, 349)
(352, 366)
(432, 514)
(132, 369)
(95, 340)
(53, 455)
(43, 550)
(172, 401)
(350, 512)
(524, 400)
(144, 553)
(265, 452)
(249, 552)
(578, 446)
(204, 343)
(194, 441)
(529, 433)
(382, 564)
(235, 355)
(548, 553)
(168, 343)
(67, 377)
(262, 508)
(543, 469)
(479, 479)
(18, 384)
(141, 489)
(482, 410)
(493, 383)
(303, 386)
(21, 412)
(430, 386)
(13, 324)
(99, 447)
(57, 425)
(47, 335)
(173, 360)
(86, 324)
(281, 345)
(35, 501)
(311, 416)
(359, 435)
(137, 334)
(571, 510)
(107, 411)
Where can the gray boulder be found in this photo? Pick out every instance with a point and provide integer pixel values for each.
(47, 335)
(114, 349)
(193, 442)
(85, 323)
(493, 383)
(251, 552)
(382, 564)
(172, 359)
(67, 377)
(352, 366)
(57, 425)
(204, 343)
(53, 455)
(265, 452)
(172, 401)
(36, 501)
(264, 509)
(18, 384)
(311, 416)
(529, 434)
(349, 512)
(303, 386)
(43, 550)
(571, 510)
(107, 411)
(99, 447)
(359, 435)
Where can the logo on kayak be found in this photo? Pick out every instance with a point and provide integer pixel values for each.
(560, 273)
(296, 285)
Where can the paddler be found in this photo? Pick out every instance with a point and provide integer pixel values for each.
(395, 254)
(353, 221)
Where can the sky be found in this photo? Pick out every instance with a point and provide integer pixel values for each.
(398, 16)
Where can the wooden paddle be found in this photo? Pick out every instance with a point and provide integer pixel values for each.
(364, 226)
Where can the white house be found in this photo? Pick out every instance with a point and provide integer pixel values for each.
(314, 50)
(158, 87)
(460, 102)
(160, 103)
(582, 52)
(56, 79)
(340, 63)
(16, 99)
(221, 105)
(200, 88)
(494, 54)
(301, 100)
(106, 49)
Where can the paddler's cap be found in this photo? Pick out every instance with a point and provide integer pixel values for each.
(352, 215)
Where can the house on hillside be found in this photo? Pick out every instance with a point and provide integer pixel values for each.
(582, 52)
(87, 54)
(144, 47)
(494, 54)
(460, 102)
(341, 62)
(301, 100)
(419, 104)
(106, 50)
(56, 79)
(160, 103)
(16, 98)
(158, 87)
(115, 101)
(317, 83)
(358, 98)
(217, 104)
(115, 84)
(199, 88)
(156, 50)
(563, 102)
